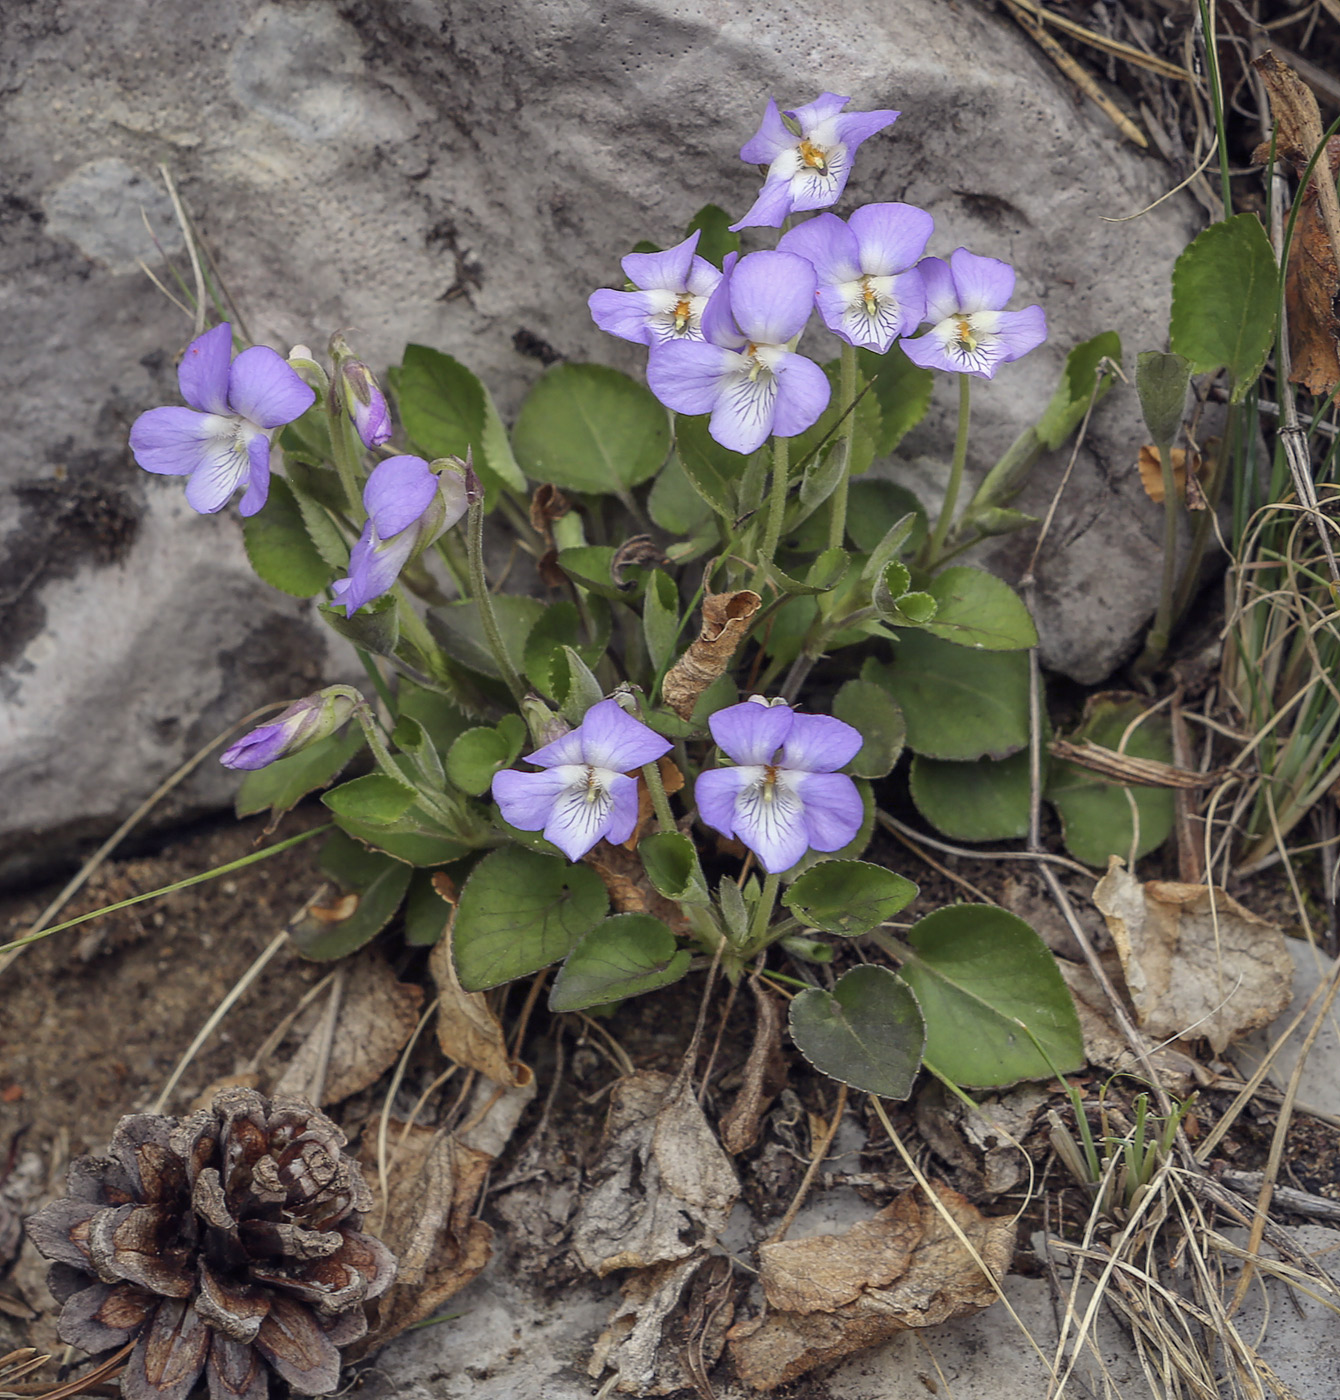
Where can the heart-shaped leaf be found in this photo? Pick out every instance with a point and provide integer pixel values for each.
(848, 896)
(624, 956)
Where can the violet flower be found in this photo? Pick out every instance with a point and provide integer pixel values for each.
(970, 331)
(870, 292)
(808, 171)
(306, 721)
(364, 402)
(673, 288)
(409, 505)
(743, 372)
(785, 797)
(222, 441)
(585, 791)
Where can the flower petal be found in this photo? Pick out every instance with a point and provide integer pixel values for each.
(687, 375)
(803, 391)
(822, 109)
(820, 744)
(258, 478)
(397, 493)
(1021, 331)
(855, 127)
(374, 566)
(582, 814)
(833, 809)
(772, 296)
(828, 245)
(931, 352)
(714, 794)
(770, 820)
(751, 733)
(891, 237)
(772, 205)
(667, 270)
(526, 800)
(771, 137)
(941, 294)
(223, 468)
(623, 811)
(703, 277)
(717, 324)
(174, 441)
(984, 284)
(624, 314)
(745, 406)
(203, 373)
(612, 738)
(258, 749)
(266, 390)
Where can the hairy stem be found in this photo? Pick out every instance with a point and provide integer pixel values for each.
(837, 524)
(758, 930)
(1156, 643)
(955, 473)
(479, 588)
(665, 818)
(776, 504)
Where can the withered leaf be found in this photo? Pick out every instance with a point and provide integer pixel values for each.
(640, 551)
(630, 891)
(1151, 471)
(940, 1281)
(376, 1018)
(631, 1343)
(547, 504)
(662, 1188)
(1196, 962)
(726, 619)
(982, 1141)
(467, 1030)
(764, 1075)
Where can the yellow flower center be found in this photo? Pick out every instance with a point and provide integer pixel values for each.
(814, 156)
(967, 341)
(681, 315)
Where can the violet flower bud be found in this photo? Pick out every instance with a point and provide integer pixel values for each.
(306, 721)
(359, 395)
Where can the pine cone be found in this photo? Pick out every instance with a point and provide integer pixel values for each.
(224, 1242)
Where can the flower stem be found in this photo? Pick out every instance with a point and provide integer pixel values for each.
(347, 450)
(1156, 643)
(837, 524)
(414, 629)
(758, 930)
(955, 473)
(665, 818)
(479, 587)
(772, 535)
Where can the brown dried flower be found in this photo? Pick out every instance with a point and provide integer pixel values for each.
(224, 1242)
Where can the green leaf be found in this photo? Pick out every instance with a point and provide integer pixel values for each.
(823, 575)
(984, 800)
(350, 863)
(559, 626)
(282, 784)
(849, 897)
(1070, 401)
(733, 908)
(519, 912)
(990, 521)
(958, 703)
(1161, 382)
(457, 626)
(901, 389)
(867, 1032)
(625, 956)
(674, 504)
(591, 566)
(894, 603)
(713, 471)
(976, 609)
(374, 799)
(591, 428)
(323, 942)
(824, 431)
(439, 718)
(280, 548)
(498, 458)
(978, 972)
(325, 535)
(870, 708)
(375, 626)
(1225, 301)
(478, 754)
(671, 862)
(1096, 814)
(717, 239)
(426, 912)
(878, 510)
(406, 842)
(660, 618)
(580, 689)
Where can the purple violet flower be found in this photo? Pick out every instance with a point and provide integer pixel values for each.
(870, 292)
(743, 372)
(808, 171)
(786, 796)
(585, 791)
(305, 721)
(364, 402)
(673, 288)
(223, 440)
(409, 505)
(970, 330)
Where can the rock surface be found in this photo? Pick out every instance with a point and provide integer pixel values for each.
(414, 171)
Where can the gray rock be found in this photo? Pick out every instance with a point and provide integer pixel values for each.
(427, 172)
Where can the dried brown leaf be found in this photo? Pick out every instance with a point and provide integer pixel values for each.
(467, 1030)
(376, 1018)
(671, 779)
(640, 551)
(630, 891)
(1196, 962)
(939, 1281)
(726, 619)
(981, 1141)
(662, 1189)
(1151, 471)
(764, 1075)
(547, 504)
(632, 1340)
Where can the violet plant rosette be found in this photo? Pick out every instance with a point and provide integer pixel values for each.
(302, 724)
(409, 506)
(784, 796)
(809, 170)
(870, 290)
(672, 290)
(744, 372)
(970, 330)
(222, 441)
(584, 792)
